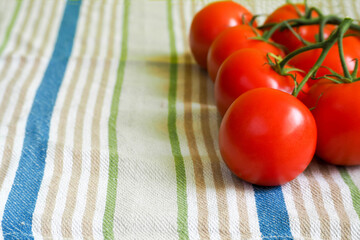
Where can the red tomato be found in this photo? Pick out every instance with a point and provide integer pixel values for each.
(311, 97)
(306, 60)
(286, 37)
(236, 76)
(267, 137)
(337, 115)
(209, 22)
(231, 40)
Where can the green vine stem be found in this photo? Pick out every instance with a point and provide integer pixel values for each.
(354, 73)
(329, 19)
(341, 53)
(325, 46)
(309, 11)
(321, 28)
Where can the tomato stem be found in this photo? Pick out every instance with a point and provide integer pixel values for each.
(303, 41)
(354, 73)
(267, 34)
(325, 46)
(322, 23)
(298, 10)
(306, 9)
(309, 11)
(297, 22)
(341, 53)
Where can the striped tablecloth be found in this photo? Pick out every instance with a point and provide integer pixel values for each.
(108, 129)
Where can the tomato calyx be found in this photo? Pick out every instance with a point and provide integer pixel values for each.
(274, 61)
(338, 78)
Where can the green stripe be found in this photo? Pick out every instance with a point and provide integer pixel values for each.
(10, 27)
(108, 223)
(354, 190)
(174, 139)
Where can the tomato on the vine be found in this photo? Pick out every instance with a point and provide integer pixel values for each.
(231, 40)
(210, 21)
(312, 96)
(306, 60)
(337, 115)
(285, 36)
(236, 76)
(267, 137)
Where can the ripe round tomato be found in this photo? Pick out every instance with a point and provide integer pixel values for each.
(231, 40)
(312, 96)
(286, 37)
(209, 22)
(267, 137)
(306, 60)
(337, 115)
(236, 76)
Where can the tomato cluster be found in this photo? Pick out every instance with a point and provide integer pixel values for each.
(287, 89)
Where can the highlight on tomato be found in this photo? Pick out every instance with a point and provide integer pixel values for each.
(236, 76)
(210, 21)
(267, 137)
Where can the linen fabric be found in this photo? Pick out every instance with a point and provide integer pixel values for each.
(109, 130)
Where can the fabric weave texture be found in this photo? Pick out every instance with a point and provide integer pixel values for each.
(109, 130)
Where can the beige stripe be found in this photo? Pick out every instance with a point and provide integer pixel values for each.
(88, 219)
(24, 26)
(9, 88)
(19, 104)
(66, 223)
(78, 155)
(221, 197)
(78, 142)
(59, 147)
(195, 156)
(9, 60)
(59, 156)
(12, 125)
(190, 135)
(299, 202)
(338, 201)
(4, 71)
(319, 204)
(244, 226)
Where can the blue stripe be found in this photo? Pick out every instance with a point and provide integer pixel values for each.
(17, 219)
(272, 214)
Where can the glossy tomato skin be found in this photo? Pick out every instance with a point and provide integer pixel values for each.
(236, 76)
(337, 115)
(209, 22)
(231, 40)
(288, 39)
(305, 60)
(267, 137)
